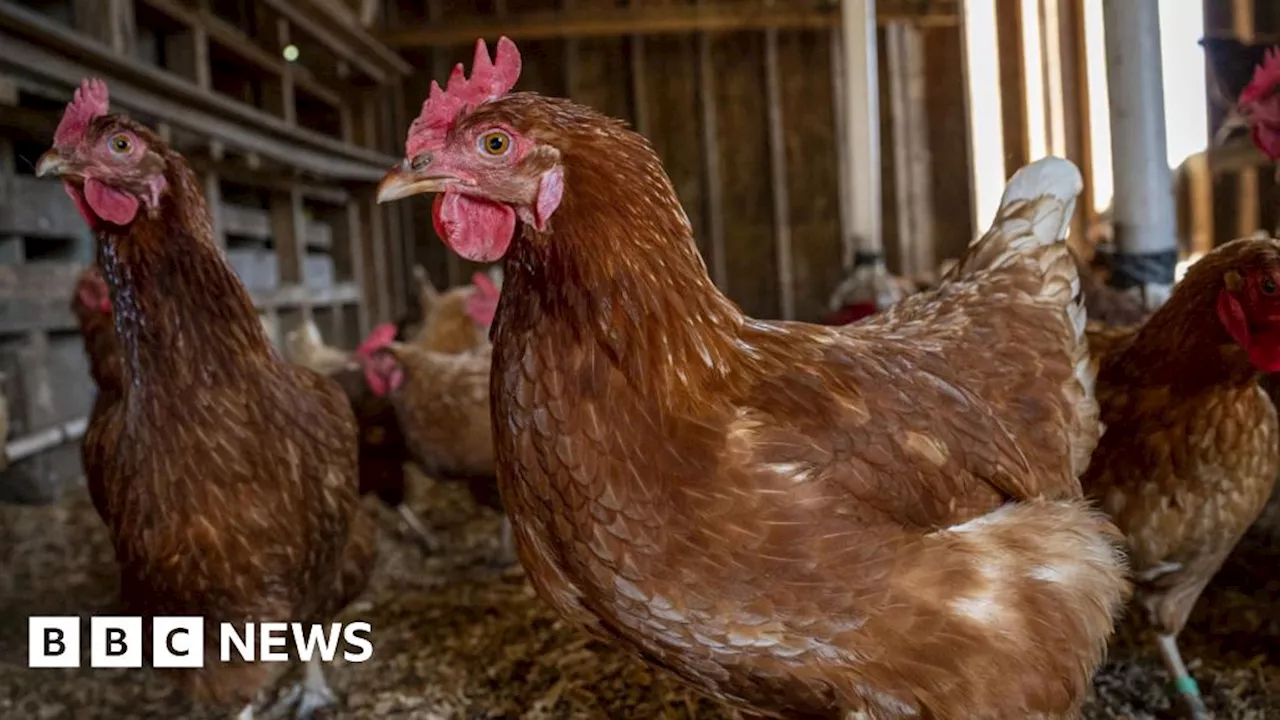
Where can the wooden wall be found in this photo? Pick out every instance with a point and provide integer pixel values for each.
(739, 98)
(288, 152)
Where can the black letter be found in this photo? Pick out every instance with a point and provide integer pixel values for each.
(168, 642)
(115, 639)
(52, 637)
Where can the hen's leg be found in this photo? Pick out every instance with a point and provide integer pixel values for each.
(316, 694)
(1188, 691)
(246, 713)
(425, 536)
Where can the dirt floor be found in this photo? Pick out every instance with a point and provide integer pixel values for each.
(456, 639)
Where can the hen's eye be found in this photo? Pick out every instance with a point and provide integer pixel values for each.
(1268, 286)
(495, 143)
(119, 143)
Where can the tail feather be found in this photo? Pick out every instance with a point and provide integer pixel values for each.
(1031, 227)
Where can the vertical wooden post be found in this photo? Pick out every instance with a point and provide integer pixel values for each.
(912, 159)
(1074, 92)
(1248, 207)
(287, 232)
(111, 22)
(778, 175)
(1013, 85)
(711, 160)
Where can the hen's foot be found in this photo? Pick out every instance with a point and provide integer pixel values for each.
(1189, 701)
(246, 713)
(316, 695)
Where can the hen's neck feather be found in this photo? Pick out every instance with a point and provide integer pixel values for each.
(181, 315)
(1183, 343)
(617, 270)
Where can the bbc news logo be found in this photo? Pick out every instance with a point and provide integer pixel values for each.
(178, 642)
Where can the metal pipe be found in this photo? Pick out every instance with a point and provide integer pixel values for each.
(1145, 230)
(51, 437)
(862, 129)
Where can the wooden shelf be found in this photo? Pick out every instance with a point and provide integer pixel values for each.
(140, 87)
(658, 20)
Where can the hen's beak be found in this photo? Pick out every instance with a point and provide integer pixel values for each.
(401, 182)
(53, 162)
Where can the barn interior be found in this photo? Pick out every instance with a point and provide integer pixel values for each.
(827, 153)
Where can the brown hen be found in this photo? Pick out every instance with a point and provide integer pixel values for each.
(803, 521)
(1190, 453)
(441, 402)
(228, 476)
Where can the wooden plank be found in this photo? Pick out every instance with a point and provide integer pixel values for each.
(1074, 88)
(911, 156)
(639, 99)
(39, 208)
(287, 222)
(64, 57)
(381, 68)
(110, 22)
(647, 21)
(669, 106)
(375, 262)
(297, 296)
(778, 177)
(707, 96)
(1248, 202)
(1013, 88)
(258, 224)
(231, 38)
(348, 258)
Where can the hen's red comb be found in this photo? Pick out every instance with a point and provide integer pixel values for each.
(1266, 78)
(490, 80)
(88, 102)
(380, 337)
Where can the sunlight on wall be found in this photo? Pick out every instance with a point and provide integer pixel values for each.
(1032, 61)
(1099, 106)
(1185, 101)
(986, 128)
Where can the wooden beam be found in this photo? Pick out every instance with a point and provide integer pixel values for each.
(1073, 82)
(1013, 88)
(39, 47)
(650, 20)
(1248, 204)
(202, 20)
(342, 40)
(778, 176)
(110, 22)
(711, 160)
(912, 161)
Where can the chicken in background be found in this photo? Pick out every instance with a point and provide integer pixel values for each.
(228, 475)
(882, 519)
(456, 320)
(1191, 451)
(305, 346)
(1255, 70)
(868, 289)
(441, 401)
(1104, 303)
